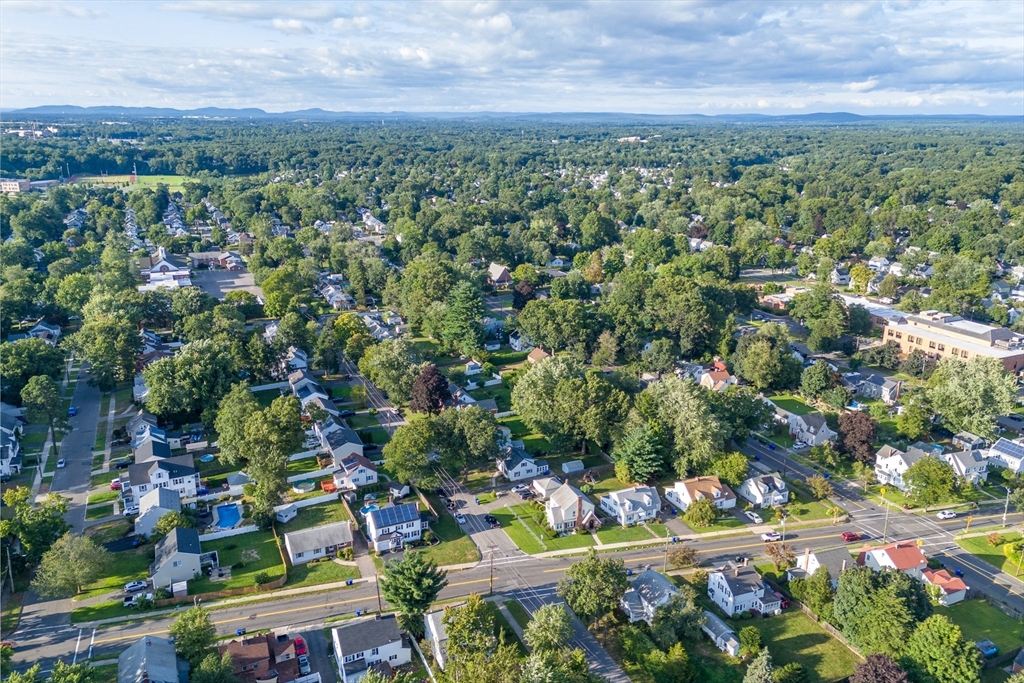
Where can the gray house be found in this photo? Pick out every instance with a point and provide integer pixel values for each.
(720, 634)
(177, 558)
(153, 506)
(151, 659)
(317, 542)
(648, 591)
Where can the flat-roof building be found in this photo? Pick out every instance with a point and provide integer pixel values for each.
(943, 335)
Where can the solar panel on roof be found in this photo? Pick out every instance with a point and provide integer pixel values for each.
(1011, 448)
(395, 515)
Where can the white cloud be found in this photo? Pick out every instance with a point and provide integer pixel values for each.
(292, 26)
(861, 86)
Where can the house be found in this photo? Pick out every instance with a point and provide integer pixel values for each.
(137, 424)
(682, 493)
(360, 644)
(717, 380)
(764, 490)
(559, 262)
(152, 446)
(519, 341)
(177, 558)
(178, 473)
(969, 465)
(11, 428)
(741, 589)
(264, 658)
(473, 367)
(646, 593)
(154, 505)
(48, 332)
(498, 275)
(516, 464)
(390, 528)
(537, 355)
(317, 542)
(304, 386)
(151, 659)
(835, 562)
(397, 490)
(632, 505)
(879, 264)
(568, 509)
(840, 277)
(1007, 454)
(338, 438)
(811, 428)
(545, 486)
(353, 472)
(435, 634)
(161, 265)
(891, 464)
(720, 634)
(295, 359)
(968, 441)
(943, 586)
(878, 386)
(904, 556)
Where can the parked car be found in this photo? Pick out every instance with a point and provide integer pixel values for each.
(122, 464)
(300, 646)
(115, 484)
(753, 517)
(490, 519)
(782, 598)
(495, 525)
(72, 411)
(135, 586)
(61, 463)
(850, 536)
(129, 511)
(460, 518)
(946, 514)
(346, 413)
(519, 487)
(771, 536)
(303, 664)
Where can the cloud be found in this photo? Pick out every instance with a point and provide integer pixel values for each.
(292, 26)
(60, 9)
(861, 86)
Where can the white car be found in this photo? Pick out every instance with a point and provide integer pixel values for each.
(946, 514)
(460, 518)
(135, 586)
(771, 536)
(303, 664)
(753, 517)
(519, 487)
(129, 511)
(61, 463)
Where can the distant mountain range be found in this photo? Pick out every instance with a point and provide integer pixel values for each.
(108, 112)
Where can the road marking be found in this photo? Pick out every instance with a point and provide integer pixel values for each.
(77, 644)
(91, 641)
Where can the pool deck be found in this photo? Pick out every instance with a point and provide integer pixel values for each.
(216, 515)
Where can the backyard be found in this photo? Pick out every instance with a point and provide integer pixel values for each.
(794, 637)
(979, 620)
(791, 403)
(315, 515)
(255, 552)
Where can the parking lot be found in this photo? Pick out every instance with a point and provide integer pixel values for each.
(217, 283)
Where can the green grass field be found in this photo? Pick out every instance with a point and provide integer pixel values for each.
(310, 574)
(231, 550)
(518, 612)
(99, 511)
(793, 404)
(979, 620)
(315, 515)
(978, 546)
(265, 398)
(108, 531)
(531, 537)
(173, 182)
(613, 533)
(102, 497)
(302, 466)
(794, 637)
(455, 547)
(129, 565)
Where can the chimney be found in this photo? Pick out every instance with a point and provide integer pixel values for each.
(736, 572)
(807, 558)
(745, 560)
(843, 568)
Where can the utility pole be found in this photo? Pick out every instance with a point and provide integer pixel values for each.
(376, 582)
(490, 584)
(885, 529)
(10, 572)
(1006, 506)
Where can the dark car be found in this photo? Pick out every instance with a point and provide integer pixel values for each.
(346, 413)
(490, 519)
(527, 494)
(123, 464)
(452, 506)
(441, 493)
(370, 447)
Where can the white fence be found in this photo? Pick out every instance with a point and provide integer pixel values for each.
(227, 533)
(311, 475)
(267, 387)
(304, 454)
(507, 413)
(307, 502)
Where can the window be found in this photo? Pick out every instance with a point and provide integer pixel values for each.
(297, 555)
(375, 651)
(317, 551)
(931, 345)
(392, 657)
(176, 563)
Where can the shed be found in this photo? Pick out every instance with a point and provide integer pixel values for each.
(572, 466)
(286, 513)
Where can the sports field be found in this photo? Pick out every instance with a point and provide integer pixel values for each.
(173, 182)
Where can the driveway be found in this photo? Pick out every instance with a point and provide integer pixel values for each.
(319, 653)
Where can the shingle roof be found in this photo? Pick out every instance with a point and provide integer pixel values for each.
(178, 466)
(365, 635)
(163, 498)
(652, 587)
(834, 560)
(339, 533)
(151, 659)
(948, 583)
(717, 626)
(743, 580)
(177, 540)
(903, 555)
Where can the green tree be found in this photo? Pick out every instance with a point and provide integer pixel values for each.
(878, 668)
(549, 630)
(411, 585)
(74, 291)
(462, 327)
(43, 403)
(283, 290)
(678, 619)
(24, 359)
(930, 481)
(593, 586)
(818, 593)
(597, 231)
(821, 488)
(760, 669)
(607, 349)
(407, 454)
(660, 358)
(63, 672)
(173, 520)
(192, 382)
(915, 420)
(817, 379)
(37, 527)
(71, 563)
(110, 343)
(793, 672)
(671, 666)
(937, 653)
(470, 632)
(271, 435)
(888, 286)
(765, 360)
(731, 468)
(390, 366)
(700, 513)
(970, 396)
(194, 635)
(638, 455)
(750, 641)
(235, 409)
(30, 675)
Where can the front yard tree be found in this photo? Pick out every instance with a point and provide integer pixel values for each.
(429, 391)
(938, 653)
(821, 488)
(470, 632)
(765, 359)
(214, 669)
(549, 629)
(607, 349)
(857, 435)
(817, 379)
(931, 481)
(461, 437)
(916, 419)
(407, 454)
(462, 329)
(235, 409)
(700, 513)
(760, 669)
(970, 396)
(194, 635)
(72, 673)
(24, 359)
(731, 468)
(411, 585)
(593, 587)
(37, 527)
(638, 455)
(70, 564)
(682, 557)
(43, 403)
(780, 554)
(878, 668)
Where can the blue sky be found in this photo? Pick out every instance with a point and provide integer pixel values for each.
(904, 57)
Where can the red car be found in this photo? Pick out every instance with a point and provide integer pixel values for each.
(115, 484)
(850, 536)
(300, 647)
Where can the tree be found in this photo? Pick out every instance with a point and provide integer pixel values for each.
(682, 557)
(823, 313)
(780, 554)
(462, 329)
(549, 630)
(970, 396)
(607, 349)
(461, 437)
(750, 641)
(573, 286)
(522, 294)
(760, 669)
(820, 487)
(826, 454)
(271, 435)
(407, 454)
(283, 290)
(194, 635)
(864, 473)
(671, 666)
(24, 359)
(411, 585)
(638, 455)
(793, 672)
(470, 632)
(765, 359)
(214, 669)
(888, 286)
(429, 391)
(818, 594)
(878, 668)
(63, 672)
(30, 675)
(817, 379)
(593, 586)
(916, 418)
(938, 653)
(596, 231)
(191, 382)
(6, 655)
(678, 619)
(43, 403)
(36, 526)
(235, 409)
(389, 365)
(700, 513)
(660, 358)
(110, 344)
(930, 481)
(173, 520)
(70, 563)
(857, 435)
(873, 610)
(860, 276)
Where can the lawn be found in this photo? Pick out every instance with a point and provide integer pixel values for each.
(791, 403)
(266, 397)
(102, 610)
(11, 612)
(501, 394)
(122, 400)
(302, 466)
(99, 511)
(316, 574)
(102, 497)
(315, 515)
(979, 620)
(97, 459)
(128, 565)
(518, 524)
(34, 439)
(509, 357)
(102, 479)
(455, 547)
(978, 546)
(518, 612)
(503, 631)
(106, 673)
(377, 435)
(108, 531)
(613, 533)
(101, 435)
(229, 552)
(723, 523)
(794, 637)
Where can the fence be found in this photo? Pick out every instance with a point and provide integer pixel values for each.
(507, 413)
(268, 387)
(304, 454)
(312, 475)
(228, 533)
(326, 498)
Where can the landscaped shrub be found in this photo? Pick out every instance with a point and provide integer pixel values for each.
(261, 578)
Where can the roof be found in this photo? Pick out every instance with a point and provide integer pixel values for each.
(572, 466)
(398, 514)
(834, 560)
(342, 435)
(903, 555)
(717, 626)
(339, 533)
(151, 659)
(178, 466)
(743, 580)
(1008, 448)
(707, 487)
(152, 448)
(163, 498)
(139, 419)
(637, 498)
(361, 636)
(488, 404)
(512, 456)
(565, 496)
(538, 354)
(176, 541)
(814, 422)
(237, 478)
(496, 271)
(547, 484)
(354, 461)
(436, 621)
(768, 482)
(944, 580)
(653, 588)
(968, 437)
(909, 458)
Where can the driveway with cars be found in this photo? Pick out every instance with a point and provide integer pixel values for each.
(319, 653)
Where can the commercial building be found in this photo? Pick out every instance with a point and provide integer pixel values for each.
(942, 335)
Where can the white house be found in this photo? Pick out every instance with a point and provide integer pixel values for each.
(390, 528)
(177, 558)
(568, 509)
(891, 464)
(317, 542)
(969, 465)
(498, 275)
(810, 428)
(877, 386)
(154, 505)
(740, 589)
(545, 486)
(944, 587)
(1007, 454)
(840, 277)
(682, 493)
(717, 380)
(764, 490)
(359, 645)
(879, 264)
(338, 438)
(559, 262)
(647, 592)
(968, 441)
(354, 471)
(48, 332)
(632, 505)
(516, 464)
(435, 635)
(835, 562)
(519, 341)
(10, 447)
(177, 473)
(151, 659)
(473, 367)
(720, 634)
(304, 386)
(904, 556)
(295, 359)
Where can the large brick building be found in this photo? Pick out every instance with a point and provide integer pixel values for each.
(943, 335)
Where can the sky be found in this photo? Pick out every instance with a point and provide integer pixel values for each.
(895, 57)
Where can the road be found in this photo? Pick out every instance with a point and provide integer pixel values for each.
(387, 415)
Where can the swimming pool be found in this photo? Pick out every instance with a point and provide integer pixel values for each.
(367, 509)
(228, 515)
(209, 457)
